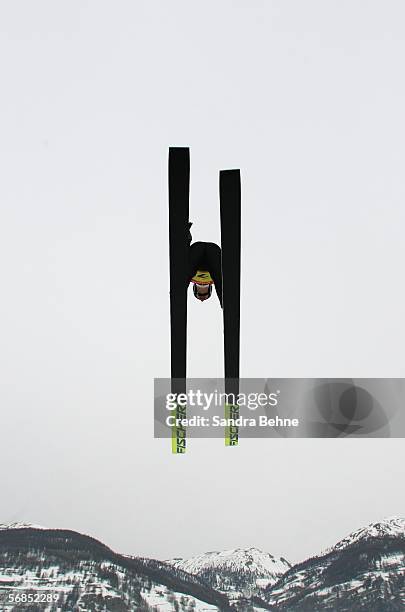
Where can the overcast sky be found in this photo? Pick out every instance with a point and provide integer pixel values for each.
(306, 98)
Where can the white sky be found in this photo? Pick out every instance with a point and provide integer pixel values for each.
(307, 99)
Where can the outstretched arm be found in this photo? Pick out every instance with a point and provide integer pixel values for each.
(195, 254)
(213, 256)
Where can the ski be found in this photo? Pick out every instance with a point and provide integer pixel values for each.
(230, 213)
(179, 185)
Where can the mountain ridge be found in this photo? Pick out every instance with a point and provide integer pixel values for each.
(88, 575)
(362, 572)
(238, 573)
(390, 526)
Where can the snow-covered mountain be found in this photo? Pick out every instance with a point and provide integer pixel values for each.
(364, 572)
(19, 525)
(394, 526)
(238, 573)
(68, 572)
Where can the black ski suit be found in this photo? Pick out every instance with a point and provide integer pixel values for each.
(206, 256)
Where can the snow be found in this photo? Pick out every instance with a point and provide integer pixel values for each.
(249, 560)
(311, 579)
(163, 599)
(394, 526)
(393, 560)
(53, 579)
(237, 573)
(19, 525)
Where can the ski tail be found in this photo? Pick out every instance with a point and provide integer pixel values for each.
(179, 431)
(230, 209)
(179, 187)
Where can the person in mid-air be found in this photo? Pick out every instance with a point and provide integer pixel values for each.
(204, 268)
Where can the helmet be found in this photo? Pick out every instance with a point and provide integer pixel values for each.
(197, 295)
